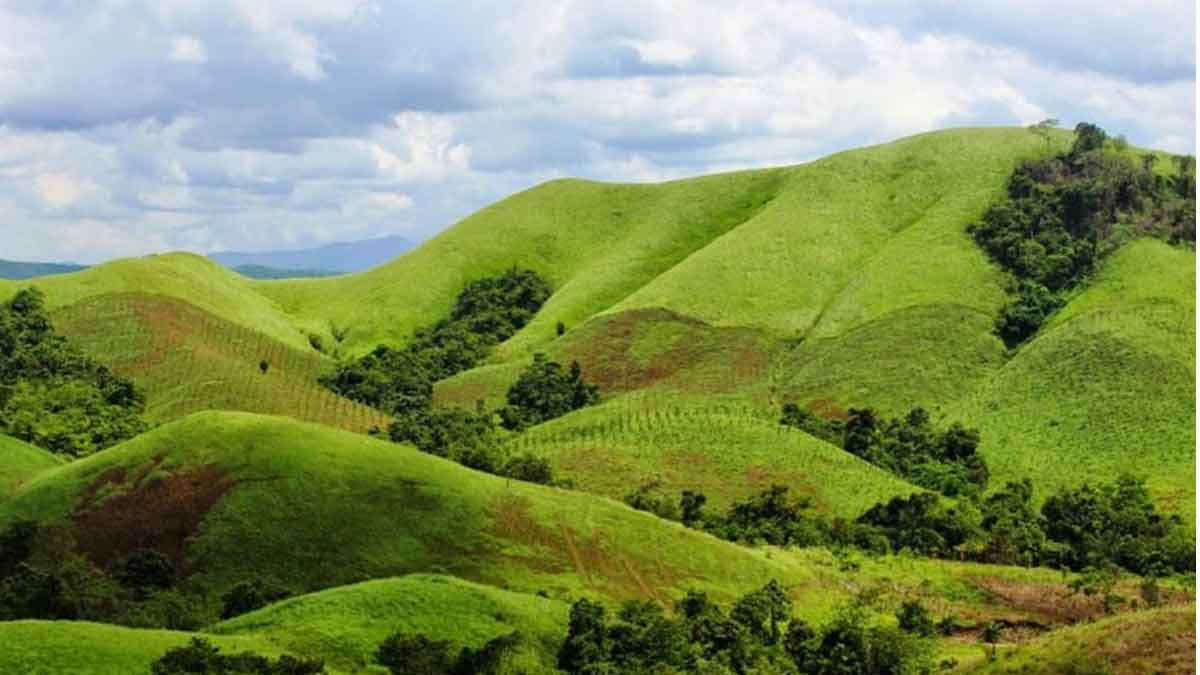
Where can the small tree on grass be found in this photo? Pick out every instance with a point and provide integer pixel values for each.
(991, 635)
(264, 366)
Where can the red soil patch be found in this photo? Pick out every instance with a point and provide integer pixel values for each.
(156, 513)
(605, 350)
(595, 559)
(829, 409)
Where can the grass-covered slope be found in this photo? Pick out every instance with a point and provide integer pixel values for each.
(1160, 641)
(343, 626)
(595, 242)
(1108, 386)
(723, 451)
(232, 496)
(200, 281)
(19, 462)
(185, 359)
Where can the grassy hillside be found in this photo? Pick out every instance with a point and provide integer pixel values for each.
(1161, 641)
(185, 359)
(595, 242)
(1108, 386)
(234, 496)
(200, 281)
(724, 451)
(343, 626)
(19, 462)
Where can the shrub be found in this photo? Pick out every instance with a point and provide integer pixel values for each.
(544, 391)
(248, 596)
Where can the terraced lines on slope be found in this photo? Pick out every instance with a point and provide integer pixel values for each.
(186, 360)
(197, 280)
(724, 451)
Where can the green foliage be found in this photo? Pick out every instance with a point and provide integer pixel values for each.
(810, 423)
(1065, 213)
(702, 638)
(391, 380)
(415, 655)
(1016, 530)
(203, 658)
(649, 496)
(912, 617)
(544, 391)
(911, 447)
(1117, 524)
(53, 396)
(145, 571)
(248, 596)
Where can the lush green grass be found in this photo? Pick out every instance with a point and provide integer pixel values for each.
(321, 508)
(345, 625)
(722, 450)
(79, 648)
(20, 462)
(185, 359)
(198, 280)
(595, 242)
(1107, 387)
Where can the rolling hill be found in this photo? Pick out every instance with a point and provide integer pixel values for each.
(20, 462)
(845, 282)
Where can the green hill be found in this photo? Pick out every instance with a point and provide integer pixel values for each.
(199, 281)
(232, 496)
(20, 462)
(343, 626)
(1149, 641)
(185, 360)
(1108, 386)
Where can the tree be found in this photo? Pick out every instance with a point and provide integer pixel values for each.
(691, 508)
(587, 640)
(263, 366)
(544, 391)
(248, 596)
(914, 618)
(1042, 129)
(992, 632)
(407, 654)
(762, 611)
(146, 570)
(1088, 137)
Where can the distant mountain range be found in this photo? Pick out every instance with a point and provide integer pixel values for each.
(335, 258)
(11, 269)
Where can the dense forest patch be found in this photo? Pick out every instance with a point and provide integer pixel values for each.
(51, 394)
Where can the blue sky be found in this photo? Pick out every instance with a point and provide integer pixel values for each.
(131, 127)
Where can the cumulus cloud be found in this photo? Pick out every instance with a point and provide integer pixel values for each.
(132, 127)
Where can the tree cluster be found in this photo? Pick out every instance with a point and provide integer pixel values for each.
(415, 654)
(1115, 524)
(758, 634)
(400, 381)
(1063, 214)
(201, 657)
(51, 394)
(910, 446)
(486, 312)
(42, 576)
(546, 390)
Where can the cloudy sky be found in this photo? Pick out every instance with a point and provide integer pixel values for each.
(131, 127)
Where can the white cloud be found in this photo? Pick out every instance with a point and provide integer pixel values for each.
(187, 49)
(245, 124)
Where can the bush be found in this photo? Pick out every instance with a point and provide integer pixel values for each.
(248, 596)
(544, 391)
(202, 657)
(914, 618)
